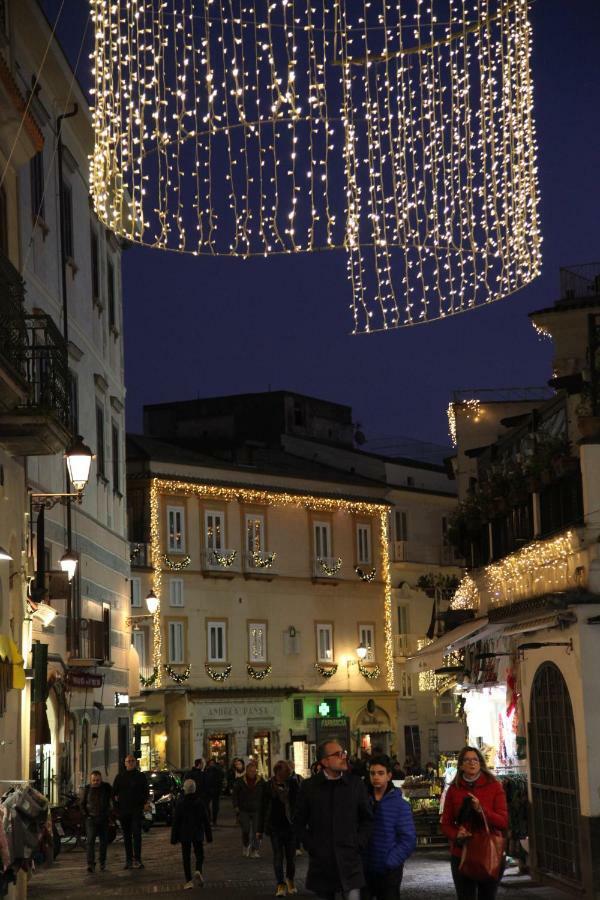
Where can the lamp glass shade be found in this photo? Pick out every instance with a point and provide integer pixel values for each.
(4, 554)
(68, 563)
(79, 460)
(152, 603)
(361, 651)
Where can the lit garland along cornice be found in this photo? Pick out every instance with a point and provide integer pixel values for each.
(402, 136)
(161, 486)
(176, 565)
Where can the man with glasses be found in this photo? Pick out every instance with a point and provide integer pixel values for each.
(333, 820)
(131, 791)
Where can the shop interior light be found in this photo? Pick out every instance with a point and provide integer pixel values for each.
(68, 563)
(79, 459)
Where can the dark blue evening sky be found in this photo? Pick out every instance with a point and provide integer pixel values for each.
(202, 327)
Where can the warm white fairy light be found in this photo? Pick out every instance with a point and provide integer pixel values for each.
(466, 595)
(399, 130)
(469, 409)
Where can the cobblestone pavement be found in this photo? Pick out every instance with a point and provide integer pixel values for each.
(231, 877)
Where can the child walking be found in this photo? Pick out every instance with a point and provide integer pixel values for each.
(191, 826)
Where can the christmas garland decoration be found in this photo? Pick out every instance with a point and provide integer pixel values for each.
(216, 675)
(258, 674)
(263, 562)
(176, 676)
(330, 570)
(148, 682)
(370, 674)
(224, 561)
(326, 672)
(365, 576)
(175, 566)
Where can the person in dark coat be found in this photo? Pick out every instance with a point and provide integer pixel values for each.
(96, 806)
(214, 776)
(333, 820)
(246, 797)
(236, 770)
(191, 826)
(275, 817)
(130, 790)
(393, 838)
(198, 776)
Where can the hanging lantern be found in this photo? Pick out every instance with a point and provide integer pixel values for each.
(397, 131)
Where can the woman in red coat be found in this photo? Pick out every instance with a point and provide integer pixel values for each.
(473, 790)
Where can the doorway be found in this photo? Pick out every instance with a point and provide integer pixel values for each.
(218, 747)
(554, 781)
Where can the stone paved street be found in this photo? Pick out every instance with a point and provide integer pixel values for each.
(228, 875)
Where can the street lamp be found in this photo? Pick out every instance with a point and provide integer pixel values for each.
(79, 459)
(152, 603)
(68, 563)
(361, 651)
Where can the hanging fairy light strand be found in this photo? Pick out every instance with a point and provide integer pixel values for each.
(400, 132)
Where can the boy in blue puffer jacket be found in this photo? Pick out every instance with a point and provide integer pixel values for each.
(393, 838)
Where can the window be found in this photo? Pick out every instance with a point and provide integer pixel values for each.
(363, 544)
(445, 706)
(217, 647)
(175, 642)
(3, 222)
(401, 525)
(403, 620)
(255, 533)
(67, 210)
(298, 709)
(175, 591)
(100, 457)
(322, 535)
(324, 643)
(366, 636)
(214, 530)
(110, 288)
(138, 639)
(406, 690)
(136, 593)
(36, 177)
(257, 642)
(95, 264)
(106, 630)
(116, 473)
(176, 537)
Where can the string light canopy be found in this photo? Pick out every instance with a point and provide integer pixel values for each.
(400, 131)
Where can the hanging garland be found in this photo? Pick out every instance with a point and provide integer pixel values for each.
(370, 674)
(225, 561)
(175, 566)
(258, 674)
(263, 562)
(176, 676)
(330, 570)
(326, 672)
(218, 675)
(148, 682)
(365, 576)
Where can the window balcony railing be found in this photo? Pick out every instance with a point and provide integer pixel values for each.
(88, 641)
(140, 555)
(420, 552)
(13, 336)
(222, 560)
(260, 562)
(327, 567)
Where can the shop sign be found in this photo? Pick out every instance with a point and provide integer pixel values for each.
(333, 730)
(121, 699)
(83, 680)
(237, 711)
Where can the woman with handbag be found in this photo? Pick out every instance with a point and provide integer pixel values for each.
(474, 817)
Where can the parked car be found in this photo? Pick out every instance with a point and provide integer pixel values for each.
(165, 787)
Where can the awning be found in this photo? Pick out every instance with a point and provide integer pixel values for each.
(9, 651)
(432, 656)
(540, 623)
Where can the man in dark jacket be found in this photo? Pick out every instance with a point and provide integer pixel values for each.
(333, 820)
(214, 777)
(191, 826)
(95, 805)
(393, 837)
(198, 776)
(275, 817)
(130, 791)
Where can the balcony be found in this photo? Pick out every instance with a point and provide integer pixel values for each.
(259, 564)
(140, 555)
(35, 389)
(222, 563)
(326, 568)
(88, 641)
(417, 552)
(405, 645)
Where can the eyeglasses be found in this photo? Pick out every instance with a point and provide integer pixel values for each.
(339, 753)
(470, 759)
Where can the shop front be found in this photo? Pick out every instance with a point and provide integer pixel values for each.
(225, 728)
(372, 730)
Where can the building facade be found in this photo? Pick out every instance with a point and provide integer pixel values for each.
(61, 296)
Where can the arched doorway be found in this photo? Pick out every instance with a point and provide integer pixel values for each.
(554, 782)
(373, 730)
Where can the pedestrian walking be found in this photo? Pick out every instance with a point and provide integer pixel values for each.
(213, 780)
(130, 790)
(333, 820)
(96, 804)
(246, 799)
(393, 838)
(191, 826)
(198, 776)
(275, 818)
(474, 797)
(236, 770)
